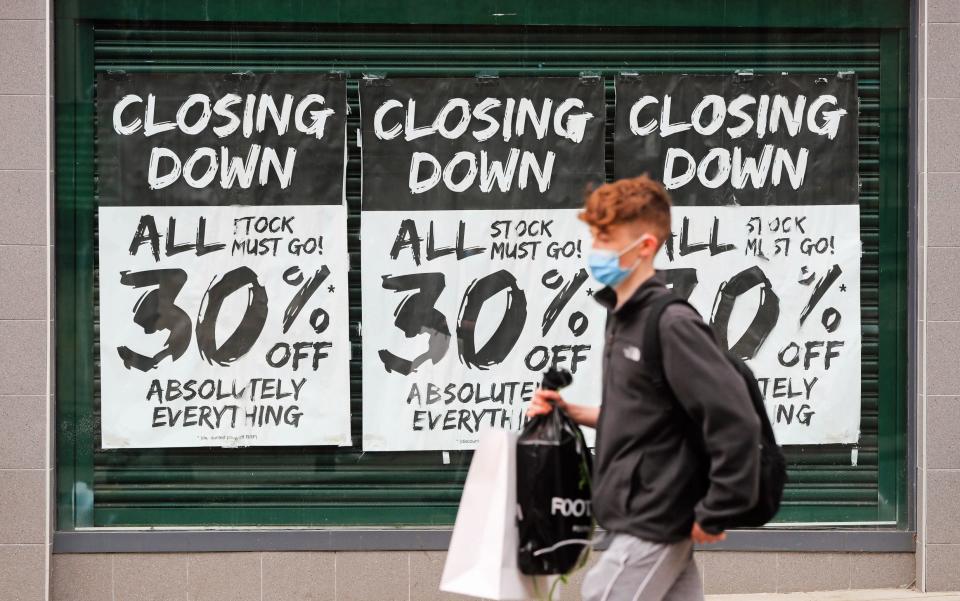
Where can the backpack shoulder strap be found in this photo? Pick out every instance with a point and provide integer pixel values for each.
(652, 351)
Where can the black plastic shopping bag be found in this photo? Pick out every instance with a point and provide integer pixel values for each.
(554, 516)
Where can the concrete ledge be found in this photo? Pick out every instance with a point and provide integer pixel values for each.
(856, 595)
(836, 540)
(425, 539)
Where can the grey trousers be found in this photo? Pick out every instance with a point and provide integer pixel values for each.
(633, 569)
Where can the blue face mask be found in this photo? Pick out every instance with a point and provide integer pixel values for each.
(605, 264)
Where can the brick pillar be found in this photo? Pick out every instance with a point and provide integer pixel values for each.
(25, 245)
(939, 417)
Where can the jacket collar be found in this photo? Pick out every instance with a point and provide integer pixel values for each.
(608, 297)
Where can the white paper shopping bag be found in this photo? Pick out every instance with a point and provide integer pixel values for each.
(482, 559)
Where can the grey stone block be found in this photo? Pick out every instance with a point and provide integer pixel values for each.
(82, 577)
(22, 119)
(23, 358)
(23, 68)
(426, 568)
(22, 573)
(23, 498)
(943, 273)
(943, 422)
(22, 9)
(22, 196)
(23, 272)
(299, 576)
(727, 572)
(943, 47)
(943, 365)
(364, 576)
(224, 577)
(882, 570)
(943, 209)
(943, 490)
(943, 130)
(150, 577)
(943, 11)
(942, 573)
(23, 430)
(801, 572)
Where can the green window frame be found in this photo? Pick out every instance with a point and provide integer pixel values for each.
(574, 38)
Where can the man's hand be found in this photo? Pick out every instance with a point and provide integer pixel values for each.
(544, 401)
(702, 537)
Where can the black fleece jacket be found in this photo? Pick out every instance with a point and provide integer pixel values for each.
(664, 462)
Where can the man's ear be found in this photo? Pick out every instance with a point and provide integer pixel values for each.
(649, 245)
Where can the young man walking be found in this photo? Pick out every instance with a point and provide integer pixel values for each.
(658, 486)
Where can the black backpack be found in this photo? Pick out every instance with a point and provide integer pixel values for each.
(773, 470)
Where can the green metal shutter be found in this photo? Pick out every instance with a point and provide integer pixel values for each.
(325, 486)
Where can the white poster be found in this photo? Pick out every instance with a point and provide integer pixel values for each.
(223, 293)
(781, 286)
(485, 325)
(762, 170)
(473, 279)
(251, 344)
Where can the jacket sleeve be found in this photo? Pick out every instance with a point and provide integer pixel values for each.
(714, 394)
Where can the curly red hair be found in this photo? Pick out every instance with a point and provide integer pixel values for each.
(628, 200)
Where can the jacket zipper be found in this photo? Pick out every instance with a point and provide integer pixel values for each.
(607, 353)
